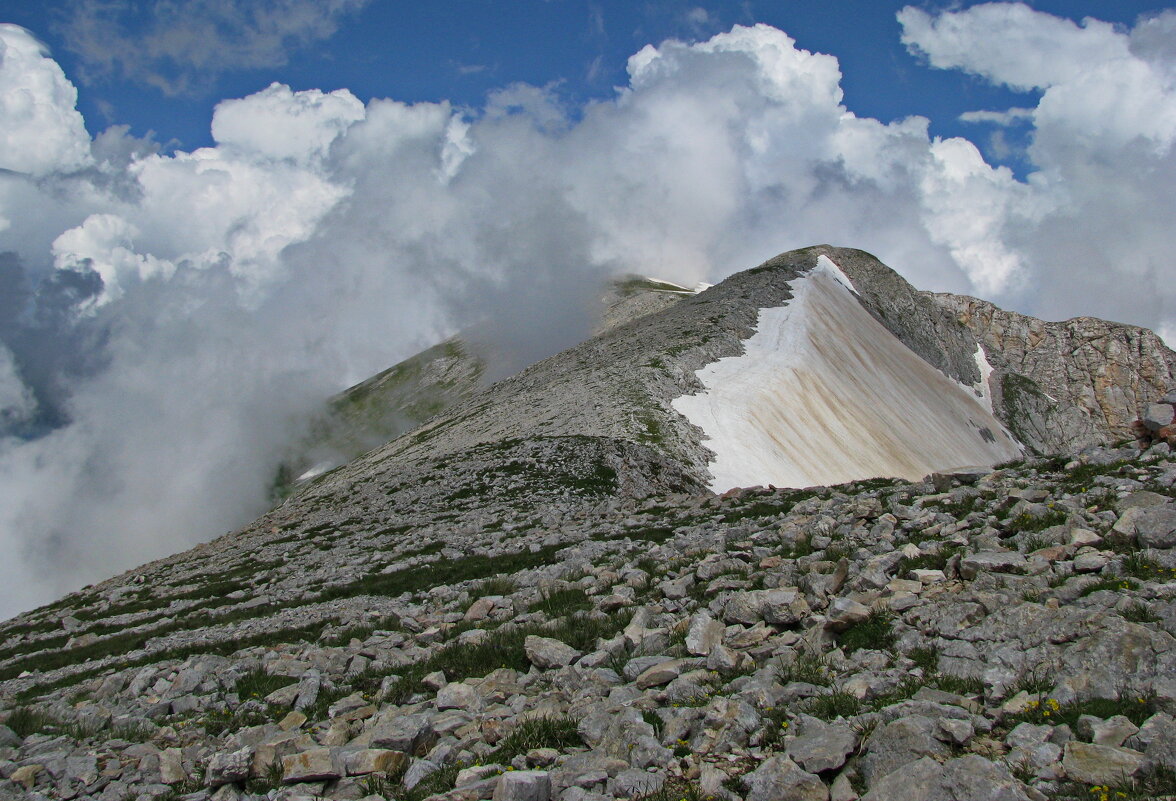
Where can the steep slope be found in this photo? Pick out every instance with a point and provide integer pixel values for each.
(824, 394)
(532, 595)
(399, 399)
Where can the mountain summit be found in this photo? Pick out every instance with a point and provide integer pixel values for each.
(536, 595)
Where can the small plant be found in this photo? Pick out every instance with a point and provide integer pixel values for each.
(834, 704)
(1139, 612)
(873, 633)
(1029, 523)
(960, 685)
(775, 726)
(497, 585)
(1137, 709)
(258, 684)
(807, 668)
(560, 603)
(926, 658)
(1111, 584)
(1137, 565)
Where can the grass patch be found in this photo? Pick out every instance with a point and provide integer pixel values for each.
(498, 585)
(1112, 584)
(560, 603)
(807, 668)
(1138, 565)
(1027, 523)
(1139, 612)
(1137, 709)
(874, 633)
(433, 574)
(833, 704)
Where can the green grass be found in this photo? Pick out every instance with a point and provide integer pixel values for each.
(258, 684)
(1137, 709)
(874, 633)
(833, 704)
(498, 585)
(935, 560)
(1027, 523)
(1138, 565)
(433, 574)
(1112, 584)
(560, 603)
(808, 668)
(545, 732)
(1139, 612)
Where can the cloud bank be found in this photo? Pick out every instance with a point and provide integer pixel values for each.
(168, 322)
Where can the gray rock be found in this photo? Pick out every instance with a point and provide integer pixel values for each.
(374, 760)
(317, 764)
(418, 771)
(899, 743)
(635, 783)
(703, 634)
(992, 562)
(844, 612)
(1157, 415)
(459, 695)
(225, 768)
(1150, 527)
(171, 766)
(408, 733)
(546, 653)
(1100, 764)
(308, 689)
(820, 746)
(778, 778)
(969, 778)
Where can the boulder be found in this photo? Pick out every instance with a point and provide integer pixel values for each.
(546, 653)
(317, 764)
(778, 778)
(1089, 763)
(820, 746)
(969, 778)
(523, 785)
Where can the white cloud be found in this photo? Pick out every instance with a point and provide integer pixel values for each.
(321, 240)
(1012, 116)
(278, 123)
(40, 128)
(17, 404)
(182, 46)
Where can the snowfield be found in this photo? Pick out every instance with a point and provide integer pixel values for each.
(824, 394)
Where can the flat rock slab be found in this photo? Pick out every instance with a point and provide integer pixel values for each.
(546, 653)
(1100, 764)
(317, 764)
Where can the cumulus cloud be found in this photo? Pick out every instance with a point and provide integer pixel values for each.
(173, 320)
(40, 129)
(182, 46)
(1087, 227)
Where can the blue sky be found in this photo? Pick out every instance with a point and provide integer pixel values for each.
(214, 214)
(459, 50)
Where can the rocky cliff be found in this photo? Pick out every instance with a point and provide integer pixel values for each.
(533, 597)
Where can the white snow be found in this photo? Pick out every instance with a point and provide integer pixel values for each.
(316, 471)
(982, 390)
(824, 394)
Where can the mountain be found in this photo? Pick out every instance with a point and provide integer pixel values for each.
(536, 593)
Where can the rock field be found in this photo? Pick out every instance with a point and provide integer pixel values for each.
(1004, 634)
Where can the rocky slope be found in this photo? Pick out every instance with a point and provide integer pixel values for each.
(532, 596)
(1007, 634)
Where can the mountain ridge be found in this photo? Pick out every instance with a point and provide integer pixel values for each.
(509, 603)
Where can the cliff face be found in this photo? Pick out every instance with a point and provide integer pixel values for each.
(1062, 385)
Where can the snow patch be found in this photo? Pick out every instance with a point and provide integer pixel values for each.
(824, 394)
